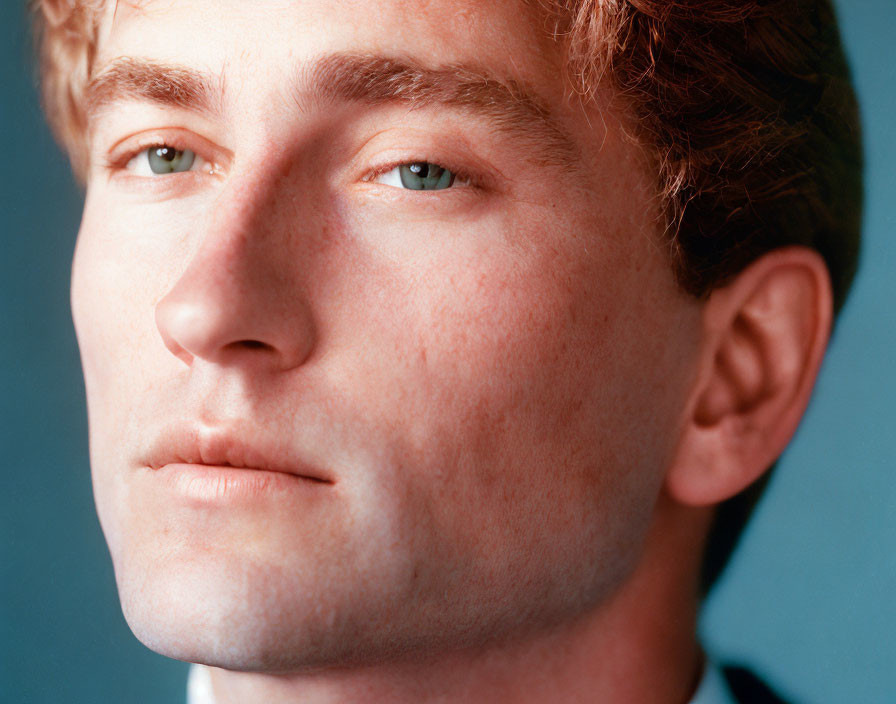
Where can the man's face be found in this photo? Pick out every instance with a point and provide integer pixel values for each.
(487, 376)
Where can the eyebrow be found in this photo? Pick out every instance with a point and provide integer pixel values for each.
(167, 85)
(508, 105)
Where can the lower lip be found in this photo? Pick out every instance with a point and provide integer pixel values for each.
(215, 484)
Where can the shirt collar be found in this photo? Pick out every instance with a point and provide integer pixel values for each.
(712, 688)
(199, 685)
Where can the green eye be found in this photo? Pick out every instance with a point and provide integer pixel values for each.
(423, 176)
(418, 176)
(168, 160)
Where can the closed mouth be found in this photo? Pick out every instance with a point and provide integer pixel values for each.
(216, 447)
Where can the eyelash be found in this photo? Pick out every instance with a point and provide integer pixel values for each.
(119, 162)
(464, 178)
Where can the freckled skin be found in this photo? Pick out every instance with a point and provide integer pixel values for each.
(495, 384)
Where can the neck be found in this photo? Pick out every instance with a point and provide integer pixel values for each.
(638, 647)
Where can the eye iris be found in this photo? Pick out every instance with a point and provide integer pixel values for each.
(167, 160)
(423, 176)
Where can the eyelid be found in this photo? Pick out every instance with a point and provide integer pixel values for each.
(469, 153)
(123, 152)
(463, 178)
(475, 173)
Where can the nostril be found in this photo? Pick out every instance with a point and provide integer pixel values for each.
(250, 345)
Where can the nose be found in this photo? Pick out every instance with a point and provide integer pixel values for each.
(238, 302)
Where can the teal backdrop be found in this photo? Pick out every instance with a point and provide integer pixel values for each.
(809, 602)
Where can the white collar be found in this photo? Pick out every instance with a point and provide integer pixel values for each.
(199, 685)
(712, 688)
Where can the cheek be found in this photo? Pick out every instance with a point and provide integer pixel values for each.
(117, 274)
(123, 265)
(545, 345)
(96, 312)
(521, 396)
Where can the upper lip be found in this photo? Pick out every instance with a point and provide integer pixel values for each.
(241, 447)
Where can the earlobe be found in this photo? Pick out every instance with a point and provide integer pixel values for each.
(764, 338)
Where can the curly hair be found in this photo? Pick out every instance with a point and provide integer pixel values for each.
(745, 106)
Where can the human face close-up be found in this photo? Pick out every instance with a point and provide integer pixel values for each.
(335, 418)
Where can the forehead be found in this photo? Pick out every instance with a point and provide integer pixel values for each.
(507, 33)
(258, 53)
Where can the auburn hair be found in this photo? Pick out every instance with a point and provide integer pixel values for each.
(746, 107)
(748, 110)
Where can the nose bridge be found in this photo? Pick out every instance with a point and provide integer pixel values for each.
(252, 203)
(240, 299)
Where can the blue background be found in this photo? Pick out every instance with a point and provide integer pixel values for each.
(810, 600)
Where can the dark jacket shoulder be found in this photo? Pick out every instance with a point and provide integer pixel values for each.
(747, 688)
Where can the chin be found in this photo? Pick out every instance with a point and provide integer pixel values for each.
(236, 619)
(256, 619)
(233, 613)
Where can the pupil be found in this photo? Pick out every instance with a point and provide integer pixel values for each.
(419, 169)
(166, 153)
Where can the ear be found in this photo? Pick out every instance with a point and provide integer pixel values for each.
(56, 11)
(764, 336)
